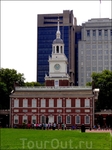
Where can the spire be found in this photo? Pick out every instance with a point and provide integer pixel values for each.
(58, 31)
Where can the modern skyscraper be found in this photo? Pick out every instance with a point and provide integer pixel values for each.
(46, 29)
(94, 49)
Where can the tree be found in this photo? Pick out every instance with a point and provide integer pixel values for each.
(103, 81)
(32, 84)
(8, 78)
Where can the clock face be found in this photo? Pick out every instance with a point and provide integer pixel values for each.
(57, 66)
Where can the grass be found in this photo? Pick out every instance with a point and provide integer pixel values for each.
(18, 139)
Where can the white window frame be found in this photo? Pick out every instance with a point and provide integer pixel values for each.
(34, 119)
(25, 118)
(16, 102)
(16, 118)
(76, 119)
(51, 102)
(60, 119)
(68, 102)
(34, 103)
(86, 120)
(59, 102)
(44, 119)
(77, 103)
(25, 103)
(43, 103)
(87, 102)
(67, 120)
(56, 83)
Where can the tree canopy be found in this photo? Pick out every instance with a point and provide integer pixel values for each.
(103, 81)
(8, 78)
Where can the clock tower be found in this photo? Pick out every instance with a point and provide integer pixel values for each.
(57, 64)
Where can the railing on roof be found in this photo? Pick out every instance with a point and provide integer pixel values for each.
(54, 88)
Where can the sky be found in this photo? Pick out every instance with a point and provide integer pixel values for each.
(19, 28)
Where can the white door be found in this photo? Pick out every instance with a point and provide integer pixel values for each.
(51, 119)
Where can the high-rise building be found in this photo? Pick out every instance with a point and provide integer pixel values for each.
(46, 30)
(94, 49)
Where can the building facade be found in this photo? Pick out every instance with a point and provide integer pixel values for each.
(68, 105)
(46, 29)
(57, 102)
(94, 49)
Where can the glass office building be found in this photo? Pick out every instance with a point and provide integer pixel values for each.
(46, 33)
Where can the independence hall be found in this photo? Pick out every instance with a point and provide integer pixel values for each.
(57, 101)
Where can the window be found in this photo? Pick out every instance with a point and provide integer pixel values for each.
(51, 103)
(68, 102)
(87, 46)
(94, 32)
(25, 119)
(94, 46)
(87, 103)
(100, 57)
(61, 50)
(43, 119)
(100, 32)
(34, 119)
(16, 119)
(88, 33)
(77, 119)
(87, 119)
(105, 32)
(34, 102)
(59, 102)
(110, 32)
(56, 83)
(43, 104)
(68, 119)
(93, 51)
(77, 104)
(99, 46)
(16, 103)
(25, 103)
(59, 119)
(57, 48)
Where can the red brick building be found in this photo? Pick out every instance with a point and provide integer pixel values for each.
(57, 101)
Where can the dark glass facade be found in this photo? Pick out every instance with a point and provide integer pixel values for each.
(77, 38)
(46, 35)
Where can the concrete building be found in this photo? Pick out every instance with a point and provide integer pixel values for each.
(94, 49)
(46, 29)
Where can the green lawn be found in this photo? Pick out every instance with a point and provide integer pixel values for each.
(19, 139)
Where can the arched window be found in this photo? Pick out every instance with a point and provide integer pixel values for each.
(57, 49)
(53, 49)
(61, 50)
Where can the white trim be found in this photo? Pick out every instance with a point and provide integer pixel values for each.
(16, 103)
(87, 102)
(25, 118)
(51, 102)
(34, 103)
(16, 118)
(42, 103)
(33, 118)
(85, 119)
(57, 119)
(43, 119)
(68, 103)
(59, 102)
(76, 119)
(77, 103)
(25, 102)
(66, 119)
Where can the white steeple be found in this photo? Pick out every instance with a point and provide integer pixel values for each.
(58, 34)
(58, 60)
